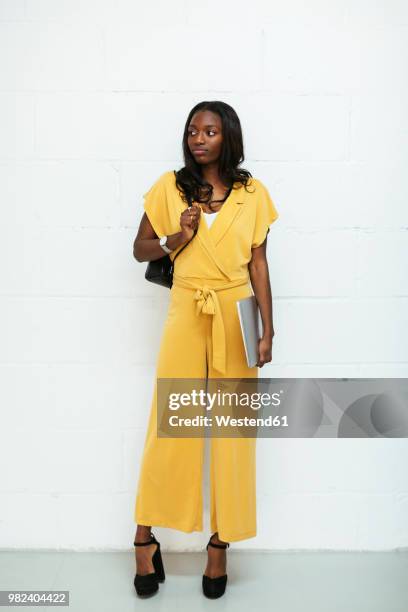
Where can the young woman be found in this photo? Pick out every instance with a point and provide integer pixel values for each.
(202, 338)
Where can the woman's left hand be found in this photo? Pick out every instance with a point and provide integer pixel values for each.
(264, 351)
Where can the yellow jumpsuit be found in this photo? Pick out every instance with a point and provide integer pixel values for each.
(202, 339)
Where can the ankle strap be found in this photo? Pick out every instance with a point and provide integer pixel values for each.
(151, 541)
(217, 545)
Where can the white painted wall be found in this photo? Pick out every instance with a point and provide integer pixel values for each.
(93, 99)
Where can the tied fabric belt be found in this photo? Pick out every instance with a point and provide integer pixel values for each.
(207, 303)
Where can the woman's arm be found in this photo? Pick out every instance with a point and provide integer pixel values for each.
(259, 274)
(146, 246)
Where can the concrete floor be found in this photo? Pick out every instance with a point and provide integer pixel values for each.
(280, 581)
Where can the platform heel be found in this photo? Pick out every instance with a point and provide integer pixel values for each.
(149, 583)
(214, 587)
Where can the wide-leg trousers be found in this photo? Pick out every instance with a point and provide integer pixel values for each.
(170, 486)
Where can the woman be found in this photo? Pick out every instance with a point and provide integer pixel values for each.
(202, 338)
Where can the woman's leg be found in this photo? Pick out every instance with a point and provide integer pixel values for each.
(232, 459)
(217, 559)
(169, 492)
(144, 554)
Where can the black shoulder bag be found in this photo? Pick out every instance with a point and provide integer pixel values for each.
(160, 271)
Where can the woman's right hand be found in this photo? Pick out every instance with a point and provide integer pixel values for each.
(189, 220)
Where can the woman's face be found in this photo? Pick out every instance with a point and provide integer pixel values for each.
(205, 136)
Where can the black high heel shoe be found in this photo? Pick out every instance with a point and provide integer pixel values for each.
(214, 587)
(149, 583)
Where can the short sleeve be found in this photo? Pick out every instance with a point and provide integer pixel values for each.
(156, 206)
(266, 214)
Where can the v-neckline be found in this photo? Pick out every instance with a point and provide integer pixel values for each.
(207, 222)
(210, 237)
(218, 212)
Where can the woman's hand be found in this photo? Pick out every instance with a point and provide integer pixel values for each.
(264, 351)
(189, 220)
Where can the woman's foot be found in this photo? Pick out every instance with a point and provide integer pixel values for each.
(144, 554)
(217, 559)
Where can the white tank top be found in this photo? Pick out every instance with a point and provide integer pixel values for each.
(209, 217)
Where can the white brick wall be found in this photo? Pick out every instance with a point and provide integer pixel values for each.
(93, 99)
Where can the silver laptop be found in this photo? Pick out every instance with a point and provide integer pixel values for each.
(251, 324)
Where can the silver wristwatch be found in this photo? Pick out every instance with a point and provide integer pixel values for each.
(162, 243)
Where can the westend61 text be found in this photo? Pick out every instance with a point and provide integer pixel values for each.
(227, 421)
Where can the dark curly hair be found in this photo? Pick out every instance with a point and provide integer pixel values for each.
(189, 179)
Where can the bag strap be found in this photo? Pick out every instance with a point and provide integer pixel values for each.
(195, 231)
